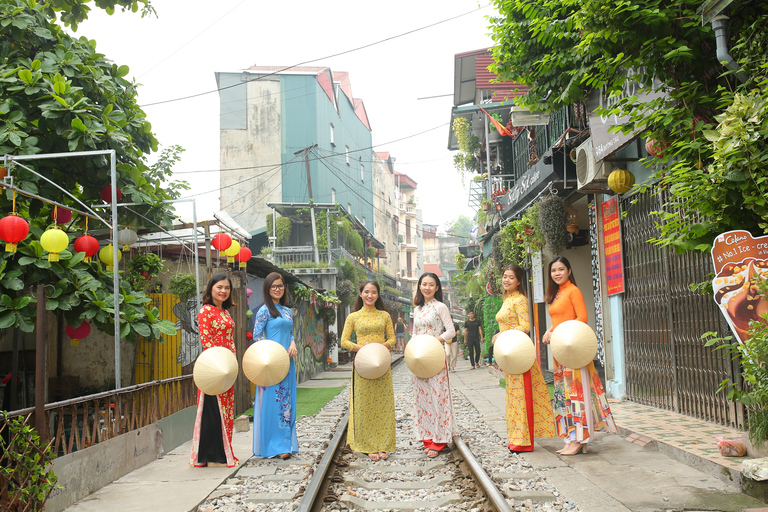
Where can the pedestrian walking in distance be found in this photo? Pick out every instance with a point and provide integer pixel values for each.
(473, 337)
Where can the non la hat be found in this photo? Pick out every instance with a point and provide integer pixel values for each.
(266, 363)
(425, 356)
(574, 344)
(215, 370)
(372, 361)
(514, 352)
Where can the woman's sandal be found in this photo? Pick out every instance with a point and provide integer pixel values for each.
(285, 456)
(383, 455)
(374, 457)
(432, 454)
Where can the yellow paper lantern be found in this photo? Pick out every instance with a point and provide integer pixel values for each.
(621, 181)
(54, 241)
(232, 251)
(106, 257)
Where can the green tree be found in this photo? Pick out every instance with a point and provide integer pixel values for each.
(563, 49)
(460, 227)
(58, 94)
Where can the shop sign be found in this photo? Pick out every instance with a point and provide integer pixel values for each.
(614, 260)
(605, 142)
(524, 184)
(739, 259)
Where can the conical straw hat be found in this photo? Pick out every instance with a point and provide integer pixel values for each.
(215, 370)
(266, 363)
(425, 356)
(574, 344)
(372, 361)
(514, 352)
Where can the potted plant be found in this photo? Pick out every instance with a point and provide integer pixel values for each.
(485, 204)
(553, 219)
(183, 286)
(142, 267)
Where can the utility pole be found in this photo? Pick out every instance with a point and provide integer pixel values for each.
(311, 200)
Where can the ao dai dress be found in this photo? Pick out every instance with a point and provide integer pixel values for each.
(434, 409)
(580, 404)
(215, 418)
(529, 410)
(274, 407)
(371, 402)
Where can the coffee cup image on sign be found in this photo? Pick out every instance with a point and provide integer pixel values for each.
(737, 296)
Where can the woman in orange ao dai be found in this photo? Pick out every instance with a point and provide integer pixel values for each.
(580, 405)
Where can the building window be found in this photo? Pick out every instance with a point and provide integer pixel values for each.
(333, 141)
(364, 224)
(362, 172)
(333, 195)
(349, 208)
(346, 153)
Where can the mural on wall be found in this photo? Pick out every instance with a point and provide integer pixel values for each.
(190, 346)
(308, 330)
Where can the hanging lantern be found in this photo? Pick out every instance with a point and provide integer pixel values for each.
(61, 215)
(232, 251)
(221, 242)
(655, 148)
(249, 313)
(249, 334)
(106, 257)
(621, 181)
(54, 241)
(78, 333)
(243, 256)
(572, 219)
(88, 245)
(13, 229)
(106, 194)
(127, 237)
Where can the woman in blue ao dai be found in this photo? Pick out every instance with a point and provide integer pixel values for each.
(274, 408)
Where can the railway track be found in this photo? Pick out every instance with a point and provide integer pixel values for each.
(327, 476)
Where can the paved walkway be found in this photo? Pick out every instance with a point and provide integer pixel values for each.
(626, 472)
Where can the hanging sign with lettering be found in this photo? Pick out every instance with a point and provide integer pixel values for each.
(614, 259)
(739, 259)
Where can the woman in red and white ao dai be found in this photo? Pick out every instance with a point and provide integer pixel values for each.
(434, 409)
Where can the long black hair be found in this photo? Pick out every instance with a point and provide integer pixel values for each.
(418, 299)
(520, 275)
(208, 296)
(268, 281)
(379, 304)
(552, 286)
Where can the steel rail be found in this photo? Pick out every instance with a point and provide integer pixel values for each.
(314, 485)
(482, 478)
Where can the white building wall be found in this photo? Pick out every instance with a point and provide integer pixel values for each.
(385, 208)
(253, 150)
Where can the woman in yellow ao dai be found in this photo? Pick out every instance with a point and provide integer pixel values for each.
(371, 402)
(529, 409)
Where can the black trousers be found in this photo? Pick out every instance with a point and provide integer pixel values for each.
(474, 351)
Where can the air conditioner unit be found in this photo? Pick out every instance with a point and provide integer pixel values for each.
(591, 176)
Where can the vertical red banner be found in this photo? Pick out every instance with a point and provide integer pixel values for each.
(614, 260)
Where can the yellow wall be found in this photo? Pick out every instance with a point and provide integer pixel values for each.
(165, 352)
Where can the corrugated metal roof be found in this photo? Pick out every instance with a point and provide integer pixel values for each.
(346, 86)
(484, 80)
(300, 70)
(361, 113)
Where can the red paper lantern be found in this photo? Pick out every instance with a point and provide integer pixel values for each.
(248, 335)
(78, 333)
(13, 229)
(61, 215)
(106, 194)
(221, 242)
(244, 255)
(88, 245)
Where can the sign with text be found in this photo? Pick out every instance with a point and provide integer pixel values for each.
(537, 277)
(614, 260)
(739, 259)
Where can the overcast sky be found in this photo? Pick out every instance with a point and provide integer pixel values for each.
(176, 55)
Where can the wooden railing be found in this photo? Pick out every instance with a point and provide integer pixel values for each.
(84, 421)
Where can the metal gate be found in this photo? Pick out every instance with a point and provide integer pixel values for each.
(666, 362)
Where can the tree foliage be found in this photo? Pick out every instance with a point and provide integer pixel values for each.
(59, 95)
(564, 49)
(460, 227)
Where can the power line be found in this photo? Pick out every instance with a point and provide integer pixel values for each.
(321, 58)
